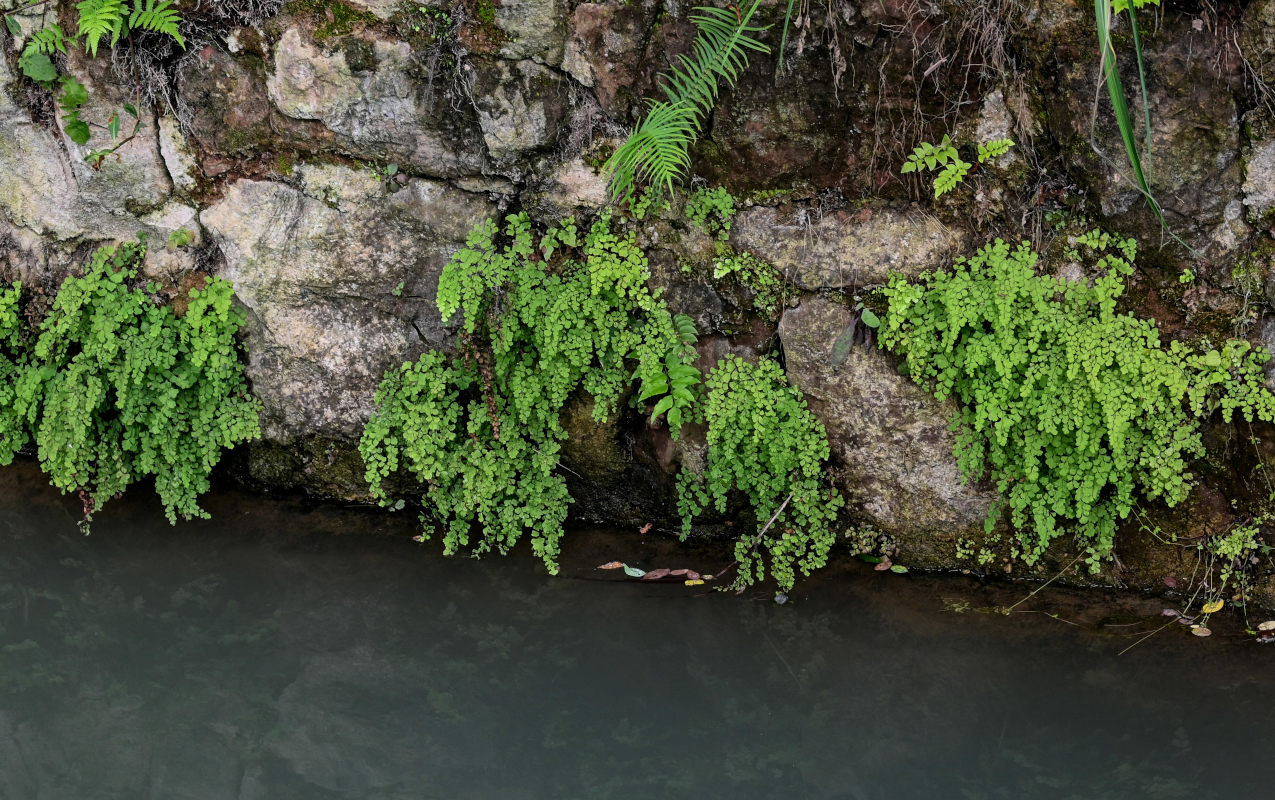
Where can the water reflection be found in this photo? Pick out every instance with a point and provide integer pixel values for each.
(263, 655)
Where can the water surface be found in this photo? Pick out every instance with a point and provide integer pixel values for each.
(272, 653)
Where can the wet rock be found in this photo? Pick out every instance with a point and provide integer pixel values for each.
(890, 439)
(379, 112)
(572, 187)
(339, 283)
(534, 29)
(52, 201)
(841, 249)
(520, 104)
(1259, 178)
(230, 111)
(604, 51)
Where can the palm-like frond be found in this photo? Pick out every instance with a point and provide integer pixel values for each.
(657, 151)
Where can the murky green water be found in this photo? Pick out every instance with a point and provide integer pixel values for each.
(263, 655)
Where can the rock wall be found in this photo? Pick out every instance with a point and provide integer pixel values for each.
(268, 141)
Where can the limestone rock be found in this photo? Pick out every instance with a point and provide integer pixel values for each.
(843, 250)
(51, 200)
(604, 50)
(520, 104)
(889, 437)
(534, 29)
(1259, 178)
(381, 112)
(573, 186)
(319, 272)
(179, 160)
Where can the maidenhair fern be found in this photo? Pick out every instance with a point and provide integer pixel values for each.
(1072, 409)
(481, 430)
(656, 153)
(764, 443)
(118, 388)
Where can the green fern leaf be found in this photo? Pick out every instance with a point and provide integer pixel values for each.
(99, 18)
(158, 16)
(656, 152)
(48, 40)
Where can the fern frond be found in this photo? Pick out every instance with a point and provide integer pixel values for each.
(47, 40)
(99, 18)
(950, 177)
(994, 149)
(655, 153)
(158, 16)
(657, 150)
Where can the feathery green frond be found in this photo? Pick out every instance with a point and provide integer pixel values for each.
(48, 40)
(657, 151)
(158, 16)
(99, 18)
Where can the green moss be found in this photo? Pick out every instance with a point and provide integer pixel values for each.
(338, 19)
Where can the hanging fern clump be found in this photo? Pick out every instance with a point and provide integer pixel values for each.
(656, 153)
(117, 388)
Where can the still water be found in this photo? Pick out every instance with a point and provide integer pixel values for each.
(272, 653)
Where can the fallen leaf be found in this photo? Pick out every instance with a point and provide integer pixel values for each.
(612, 565)
(1170, 612)
(1200, 630)
(693, 583)
(781, 598)
(1170, 581)
(633, 572)
(705, 577)
(884, 565)
(655, 574)
(679, 572)
(898, 569)
(1268, 625)
(644, 528)
(1212, 606)
(692, 575)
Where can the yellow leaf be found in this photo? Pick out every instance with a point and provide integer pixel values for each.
(1268, 625)
(1199, 630)
(693, 583)
(1212, 606)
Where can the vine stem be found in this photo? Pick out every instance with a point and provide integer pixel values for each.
(1043, 585)
(757, 538)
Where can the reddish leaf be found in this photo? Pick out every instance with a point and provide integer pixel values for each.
(655, 574)
(679, 572)
(644, 528)
(692, 575)
(612, 565)
(884, 565)
(1170, 581)
(1170, 612)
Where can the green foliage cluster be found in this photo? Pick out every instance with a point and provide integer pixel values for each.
(657, 151)
(1072, 408)
(96, 21)
(544, 318)
(765, 443)
(711, 210)
(117, 388)
(541, 320)
(928, 157)
(760, 277)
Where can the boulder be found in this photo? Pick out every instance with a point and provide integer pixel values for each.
(891, 445)
(378, 111)
(339, 283)
(521, 105)
(841, 249)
